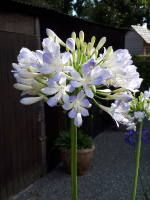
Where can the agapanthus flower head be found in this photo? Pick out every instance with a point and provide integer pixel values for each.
(68, 78)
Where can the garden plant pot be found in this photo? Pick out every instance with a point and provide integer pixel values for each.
(84, 158)
(121, 127)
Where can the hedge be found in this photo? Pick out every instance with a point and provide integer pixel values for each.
(143, 67)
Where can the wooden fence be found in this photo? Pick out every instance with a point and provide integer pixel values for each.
(20, 149)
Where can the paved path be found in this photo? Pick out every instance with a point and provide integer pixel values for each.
(110, 177)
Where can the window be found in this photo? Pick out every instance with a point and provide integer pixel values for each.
(147, 51)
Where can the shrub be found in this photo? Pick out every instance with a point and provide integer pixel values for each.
(143, 67)
(64, 141)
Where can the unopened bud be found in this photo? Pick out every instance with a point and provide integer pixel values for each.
(96, 53)
(81, 36)
(42, 44)
(85, 44)
(101, 43)
(93, 40)
(108, 51)
(93, 88)
(89, 49)
(84, 49)
(73, 35)
(119, 90)
(77, 43)
(70, 44)
(50, 33)
(74, 57)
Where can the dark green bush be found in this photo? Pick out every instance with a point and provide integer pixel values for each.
(143, 67)
(63, 142)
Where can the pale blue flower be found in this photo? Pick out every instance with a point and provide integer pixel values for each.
(77, 105)
(89, 77)
(147, 94)
(70, 44)
(139, 115)
(58, 89)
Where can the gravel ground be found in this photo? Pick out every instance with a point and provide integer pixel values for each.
(110, 177)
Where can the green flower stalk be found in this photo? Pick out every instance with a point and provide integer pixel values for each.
(137, 161)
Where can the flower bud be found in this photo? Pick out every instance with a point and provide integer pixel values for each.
(89, 49)
(93, 40)
(19, 86)
(74, 57)
(73, 35)
(50, 33)
(96, 53)
(93, 88)
(37, 85)
(70, 44)
(84, 49)
(31, 100)
(108, 51)
(77, 43)
(101, 43)
(85, 44)
(81, 36)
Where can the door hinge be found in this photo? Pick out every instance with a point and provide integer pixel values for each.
(42, 138)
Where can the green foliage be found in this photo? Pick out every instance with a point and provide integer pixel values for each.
(121, 13)
(143, 67)
(65, 6)
(64, 141)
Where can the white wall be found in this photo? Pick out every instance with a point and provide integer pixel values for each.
(134, 43)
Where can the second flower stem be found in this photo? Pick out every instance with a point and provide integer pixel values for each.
(137, 161)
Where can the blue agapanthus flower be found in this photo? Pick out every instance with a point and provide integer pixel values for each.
(131, 137)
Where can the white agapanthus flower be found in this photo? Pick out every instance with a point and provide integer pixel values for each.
(139, 115)
(60, 90)
(56, 76)
(77, 105)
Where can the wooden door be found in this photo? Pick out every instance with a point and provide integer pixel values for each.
(20, 127)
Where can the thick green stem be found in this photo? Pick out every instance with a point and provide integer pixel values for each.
(137, 161)
(74, 160)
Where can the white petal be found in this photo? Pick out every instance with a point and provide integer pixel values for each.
(84, 111)
(25, 74)
(88, 92)
(63, 81)
(19, 86)
(66, 98)
(31, 100)
(80, 95)
(65, 57)
(76, 84)
(78, 120)
(75, 75)
(67, 106)
(72, 113)
(50, 91)
(52, 101)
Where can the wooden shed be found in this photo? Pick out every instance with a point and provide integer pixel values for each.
(137, 41)
(25, 153)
